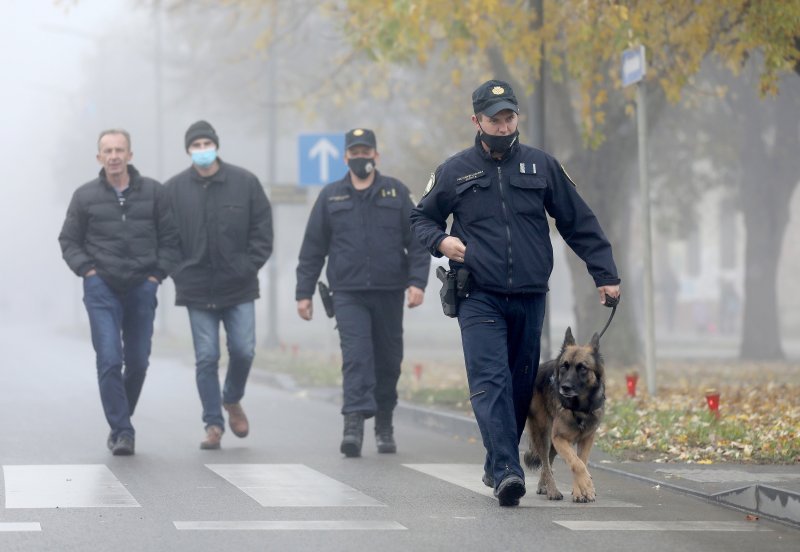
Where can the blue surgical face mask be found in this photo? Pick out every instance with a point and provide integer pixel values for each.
(204, 158)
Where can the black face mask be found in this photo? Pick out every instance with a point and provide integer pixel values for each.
(499, 145)
(362, 167)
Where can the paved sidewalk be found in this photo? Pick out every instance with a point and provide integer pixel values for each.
(769, 491)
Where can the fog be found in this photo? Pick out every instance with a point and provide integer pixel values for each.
(71, 70)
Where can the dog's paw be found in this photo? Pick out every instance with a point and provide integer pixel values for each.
(555, 496)
(583, 490)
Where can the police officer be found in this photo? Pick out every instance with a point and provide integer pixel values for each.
(361, 224)
(499, 192)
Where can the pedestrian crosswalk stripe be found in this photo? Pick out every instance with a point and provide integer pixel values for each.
(289, 525)
(290, 485)
(661, 526)
(64, 486)
(469, 476)
(13, 527)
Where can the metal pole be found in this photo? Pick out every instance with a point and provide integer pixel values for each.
(162, 312)
(647, 279)
(536, 126)
(271, 339)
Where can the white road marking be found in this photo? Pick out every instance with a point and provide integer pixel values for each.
(661, 526)
(65, 486)
(469, 476)
(12, 527)
(288, 525)
(290, 485)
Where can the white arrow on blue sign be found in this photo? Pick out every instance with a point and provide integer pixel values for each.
(633, 65)
(321, 158)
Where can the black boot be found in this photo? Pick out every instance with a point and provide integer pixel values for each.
(353, 435)
(384, 432)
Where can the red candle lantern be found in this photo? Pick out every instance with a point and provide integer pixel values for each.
(712, 398)
(630, 382)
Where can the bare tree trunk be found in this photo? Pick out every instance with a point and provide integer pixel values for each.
(770, 176)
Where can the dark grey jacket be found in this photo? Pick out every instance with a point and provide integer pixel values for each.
(225, 226)
(124, 241)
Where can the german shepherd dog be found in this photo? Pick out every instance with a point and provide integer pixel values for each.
(567, 407)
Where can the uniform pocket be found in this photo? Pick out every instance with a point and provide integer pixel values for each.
(341, 214)
(527, 194)
(475, 201)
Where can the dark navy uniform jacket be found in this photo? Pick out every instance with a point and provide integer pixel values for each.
(367, 238)
(499, 208)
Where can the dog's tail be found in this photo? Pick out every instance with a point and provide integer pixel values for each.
(532, 460)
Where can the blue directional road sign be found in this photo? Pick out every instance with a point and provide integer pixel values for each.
(321, 158)
(633, 65)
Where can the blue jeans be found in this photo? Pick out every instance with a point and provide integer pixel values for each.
(500, 335)
(240, 329)
(122, 328)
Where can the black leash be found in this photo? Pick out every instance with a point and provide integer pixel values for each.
(612, 303)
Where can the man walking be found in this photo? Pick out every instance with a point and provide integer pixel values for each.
(119, 237)
(225, 225)
(360, 223)
(499, 193)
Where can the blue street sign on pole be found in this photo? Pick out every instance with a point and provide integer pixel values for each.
(633, 65)
(321, 158)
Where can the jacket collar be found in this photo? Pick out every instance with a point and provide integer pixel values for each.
(132, 173)
(220, 176)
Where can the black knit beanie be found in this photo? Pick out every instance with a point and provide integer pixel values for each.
(201, 129)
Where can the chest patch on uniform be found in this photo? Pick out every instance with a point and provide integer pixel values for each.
(527, 168)
(339, 197)
(567, 175)
(431, 184)
(468, 177)
(388, 193)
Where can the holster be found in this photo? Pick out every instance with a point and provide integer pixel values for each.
(327, 301)
(448, 292)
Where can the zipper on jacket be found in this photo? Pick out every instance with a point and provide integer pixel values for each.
(508, 223)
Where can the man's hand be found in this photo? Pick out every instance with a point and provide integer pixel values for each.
(153, 279)
(611, 291)
(415, 296)
(92, 272)
(453, 248)
(305, 309)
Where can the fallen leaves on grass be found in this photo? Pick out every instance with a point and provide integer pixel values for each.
(759, 421)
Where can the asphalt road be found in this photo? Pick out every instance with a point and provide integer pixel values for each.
(286, 486)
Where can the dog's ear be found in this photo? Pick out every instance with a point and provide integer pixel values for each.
(568, 339)
(595, 343)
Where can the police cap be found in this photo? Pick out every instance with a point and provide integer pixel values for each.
(360, 137)
(492, 97)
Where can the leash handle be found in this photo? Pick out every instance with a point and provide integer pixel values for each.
(612, 303)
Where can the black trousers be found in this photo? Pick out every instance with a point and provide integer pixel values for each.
(371, 335)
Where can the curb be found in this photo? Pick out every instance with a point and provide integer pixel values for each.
(779, 505)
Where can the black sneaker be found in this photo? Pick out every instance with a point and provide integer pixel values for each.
(488, 480)
(124, 446)
(510, 490)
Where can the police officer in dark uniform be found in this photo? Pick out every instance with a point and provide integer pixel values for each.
(361, 224)
(499, 192)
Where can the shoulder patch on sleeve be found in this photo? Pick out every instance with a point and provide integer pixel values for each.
(431, 184)
(567, 175)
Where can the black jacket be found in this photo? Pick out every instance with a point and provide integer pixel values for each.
(499, 209)
(225, 226)
(126, 240)
(367, 238)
